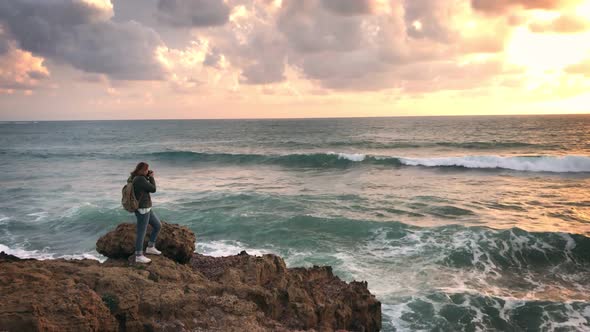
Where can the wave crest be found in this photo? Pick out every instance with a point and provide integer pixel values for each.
(556, 164)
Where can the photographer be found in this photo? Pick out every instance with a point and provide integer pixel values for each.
(144, 184)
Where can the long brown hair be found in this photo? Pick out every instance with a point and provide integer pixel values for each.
(139, 167)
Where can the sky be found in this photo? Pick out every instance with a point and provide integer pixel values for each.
(177, 59)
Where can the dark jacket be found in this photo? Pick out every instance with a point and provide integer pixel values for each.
(143, 186)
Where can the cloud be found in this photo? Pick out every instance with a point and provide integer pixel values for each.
(503, 6)
(213, 58)
(369, 52)
(249, 46)
(427, 19)
(81, 34)
(582, 68)
(339, 45)
(562, 24)
(20, 70)
(360, 70)
(332, 44)
(349, 7)
(448, 75)
(4, 44)
(193, 13)
(268, 67)
(310, 28)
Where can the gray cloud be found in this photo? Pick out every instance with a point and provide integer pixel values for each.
(358, 70)
(193, 13)
(268, 67)
(310, 28)
(340, 44)
(349, 52)
(348, 7)
(212, 58)
(255, 47)
(351, 45)
(4, 44)
(432, 17)
(79, 34)
(305, 28)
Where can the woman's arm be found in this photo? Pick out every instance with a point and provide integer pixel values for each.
(143, 184)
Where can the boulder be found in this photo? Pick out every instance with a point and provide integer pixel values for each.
(176, 242)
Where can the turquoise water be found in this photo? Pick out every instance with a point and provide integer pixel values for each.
(457, 223)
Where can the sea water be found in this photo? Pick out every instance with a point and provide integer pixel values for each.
(457, 223)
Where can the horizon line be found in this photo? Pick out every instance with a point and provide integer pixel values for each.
(310, 118)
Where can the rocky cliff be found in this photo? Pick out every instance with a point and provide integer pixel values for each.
(179, 291)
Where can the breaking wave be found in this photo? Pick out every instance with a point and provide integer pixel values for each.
(556, 164)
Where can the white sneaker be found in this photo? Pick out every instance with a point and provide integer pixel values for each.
(153, 251)
(142, 259)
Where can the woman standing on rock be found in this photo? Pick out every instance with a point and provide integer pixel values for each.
(144, 184)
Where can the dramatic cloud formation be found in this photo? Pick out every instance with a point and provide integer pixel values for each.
(19, 70)
(382, 54)
(81, 34)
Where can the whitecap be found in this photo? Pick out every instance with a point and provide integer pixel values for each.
(357, 157)
(558, 164)
(227, 248)
(46, 254)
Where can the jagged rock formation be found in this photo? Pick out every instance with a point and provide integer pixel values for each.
(234, 293)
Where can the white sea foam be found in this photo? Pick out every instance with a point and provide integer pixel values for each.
(350, 156)
(46, 254)
(3, 219)
(557, 164)
(576, 320)
(419, 261)
(77, 209)
(38, 215)
(227, 248)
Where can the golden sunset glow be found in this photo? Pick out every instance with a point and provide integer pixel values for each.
(547, 51)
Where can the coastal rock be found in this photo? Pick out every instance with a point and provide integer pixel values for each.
(84, 295)
(300, 298)
(234, 293)
(176, 242)
(36, 299)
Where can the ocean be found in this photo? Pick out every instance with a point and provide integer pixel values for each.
(457, 223)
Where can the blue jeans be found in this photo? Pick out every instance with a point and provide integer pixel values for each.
(142, 221)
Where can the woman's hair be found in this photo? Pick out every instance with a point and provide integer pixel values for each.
(139, 167)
